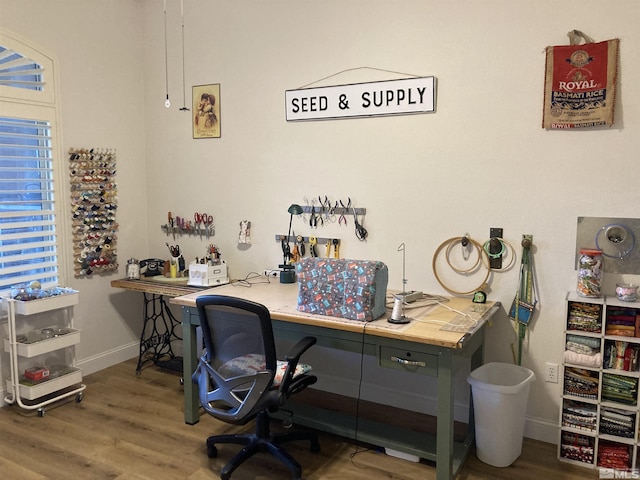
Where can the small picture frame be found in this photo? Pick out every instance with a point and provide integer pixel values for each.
(206, 111)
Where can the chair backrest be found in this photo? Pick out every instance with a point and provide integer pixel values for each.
(236, 370)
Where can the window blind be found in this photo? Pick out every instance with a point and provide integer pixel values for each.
(28, 249)
(18, 71)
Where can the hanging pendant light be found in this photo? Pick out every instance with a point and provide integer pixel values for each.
(167, 103)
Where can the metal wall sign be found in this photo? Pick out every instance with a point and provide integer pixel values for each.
(389, 97)
(616, 237)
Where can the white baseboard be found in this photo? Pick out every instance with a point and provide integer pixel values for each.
(107, 359)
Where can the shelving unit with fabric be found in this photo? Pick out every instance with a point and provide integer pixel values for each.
(601, 371)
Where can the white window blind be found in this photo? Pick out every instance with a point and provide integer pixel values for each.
(28, 233)
(27, 213)
(19, 71)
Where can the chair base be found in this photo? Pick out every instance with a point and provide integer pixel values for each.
(261, 441)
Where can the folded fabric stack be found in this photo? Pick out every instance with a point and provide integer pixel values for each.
(585, 317)
(576, 447)
(617, 422)
(583, 351)
(621, 355)
(581, 416)
(621, 321)
(614, 455)
(580, 383)
(616, 388)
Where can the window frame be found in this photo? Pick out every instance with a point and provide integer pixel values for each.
(42, 105)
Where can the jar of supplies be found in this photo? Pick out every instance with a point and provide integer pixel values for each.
(133, 269)
(590, 272)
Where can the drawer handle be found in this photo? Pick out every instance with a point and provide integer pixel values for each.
(412, 363)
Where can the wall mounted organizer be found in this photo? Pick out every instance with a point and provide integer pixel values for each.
(202, 225)
(93, 210)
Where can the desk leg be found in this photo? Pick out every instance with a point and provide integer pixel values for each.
(444, 437)
(189, 364)
(155, 343)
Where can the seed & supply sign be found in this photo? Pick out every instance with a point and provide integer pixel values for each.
(390, 97)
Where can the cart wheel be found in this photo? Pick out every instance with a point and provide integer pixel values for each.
(181, 380)
(79, 397)
(41, 412)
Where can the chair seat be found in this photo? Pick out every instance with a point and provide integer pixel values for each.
(255, 362)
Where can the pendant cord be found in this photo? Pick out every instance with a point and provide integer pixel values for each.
(166, 62)
(184, 93)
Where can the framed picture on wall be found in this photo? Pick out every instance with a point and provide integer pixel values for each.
(206, 111)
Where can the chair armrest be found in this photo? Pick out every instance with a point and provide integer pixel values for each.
(299, 348)
(293, 357)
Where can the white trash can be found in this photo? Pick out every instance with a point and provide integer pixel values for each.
(500, 393)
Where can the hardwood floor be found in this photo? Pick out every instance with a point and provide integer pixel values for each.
(131, 427)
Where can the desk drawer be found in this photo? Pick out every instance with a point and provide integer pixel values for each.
(408, 361)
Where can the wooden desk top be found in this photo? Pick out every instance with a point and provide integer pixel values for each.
(425, 326)
(168, 287)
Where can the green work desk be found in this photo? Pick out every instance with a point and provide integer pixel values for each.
(422, 347)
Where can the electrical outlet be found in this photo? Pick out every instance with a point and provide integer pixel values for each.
(270, 272)
(551, 372)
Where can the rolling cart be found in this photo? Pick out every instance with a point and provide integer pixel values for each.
(40, 339)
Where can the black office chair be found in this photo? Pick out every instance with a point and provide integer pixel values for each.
(239, 378)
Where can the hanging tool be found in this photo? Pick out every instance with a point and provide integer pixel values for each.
(343, 219)
(326, 207)
(336, 248)
(313, 221)
(312, 246)
(197, 219)
(327, 250)
(361, 232)
(206, 220)
(208, 224)
(300, 243)
(171, 224)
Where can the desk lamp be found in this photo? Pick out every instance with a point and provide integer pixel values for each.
(288, 274)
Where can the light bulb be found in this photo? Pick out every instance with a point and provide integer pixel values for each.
(167, 103)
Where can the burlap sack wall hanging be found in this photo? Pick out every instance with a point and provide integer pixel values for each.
(580, 83)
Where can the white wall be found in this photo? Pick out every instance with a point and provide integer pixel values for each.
(481, 161)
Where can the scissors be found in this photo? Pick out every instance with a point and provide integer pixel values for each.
(174, 250)
(208, 223)
(205, 219)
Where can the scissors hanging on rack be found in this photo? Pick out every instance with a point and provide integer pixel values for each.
(208, 224)
(206, 220)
